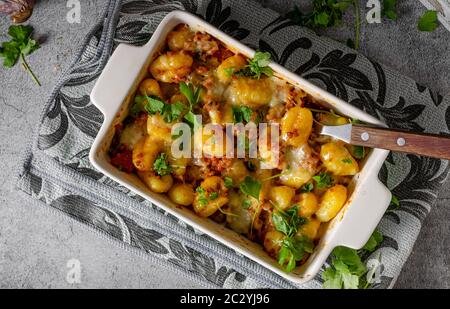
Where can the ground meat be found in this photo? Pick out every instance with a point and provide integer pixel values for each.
(122, 158)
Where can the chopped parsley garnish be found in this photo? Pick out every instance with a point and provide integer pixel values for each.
(161, 165)
(257, 66)
(251, 187)
(347, 161)
(246, 204)
(307, 188)
(323, 180)
(229, 71)
(204, 197)
(241, 114)
(228, 182)
(358, 151)
(213, 196)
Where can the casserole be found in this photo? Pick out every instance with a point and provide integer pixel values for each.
(113, 94)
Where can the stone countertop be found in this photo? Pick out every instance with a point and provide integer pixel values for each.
(36, 245)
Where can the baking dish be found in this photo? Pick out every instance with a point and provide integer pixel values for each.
(112, 95)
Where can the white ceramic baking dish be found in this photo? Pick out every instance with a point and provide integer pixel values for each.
(113, 92)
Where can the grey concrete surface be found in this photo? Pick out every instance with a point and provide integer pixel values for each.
(36, 245)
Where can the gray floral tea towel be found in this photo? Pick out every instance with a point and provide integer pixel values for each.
(57, 172)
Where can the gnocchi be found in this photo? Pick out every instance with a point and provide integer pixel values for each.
(250, 92)
(331, 203)
(145, 153)
(182, 194)
(210, 196)
(296, 126)
(171, 67)
(338, 160)
(150, 87)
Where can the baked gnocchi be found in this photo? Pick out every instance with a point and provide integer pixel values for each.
(281, 198)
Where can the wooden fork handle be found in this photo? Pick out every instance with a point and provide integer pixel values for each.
(429, 145)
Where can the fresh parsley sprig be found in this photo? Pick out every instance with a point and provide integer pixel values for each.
(20, 45)
(287, 221)
(293, 249)
(193, 97)
(257, 66)
(293, 246)
(346, 269)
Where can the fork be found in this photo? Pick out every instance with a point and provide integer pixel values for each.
(429, 145)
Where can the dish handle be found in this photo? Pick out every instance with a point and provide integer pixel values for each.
(364, 213)
(116, 79)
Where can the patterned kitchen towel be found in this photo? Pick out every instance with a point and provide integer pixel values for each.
(57, 171)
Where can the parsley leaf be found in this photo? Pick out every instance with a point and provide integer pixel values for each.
(213, 196)
(155, 105)
(389, 9)
(228, 182)
(191, 120)
(374, 241)
(172, 112)
(191, 94)
(358, 152)
(20, 45)
(293, 250)
(288, 221)
(429, 21)
(347, 161)
(257, 66)
(241, 114)
(251, 187)
(345, 270)
(323, 180)
(323, 14)
(202, 199)
(161, 165)
(307, 188)
(327, 13)
(246, 204)
(229, 71)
